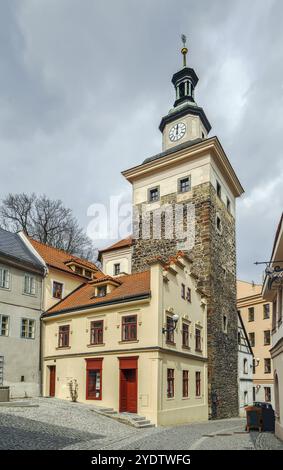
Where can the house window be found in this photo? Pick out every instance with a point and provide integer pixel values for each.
(170, 383)
(252, 339)
(57, 290)
(198, 384)
(267, 393)
(228, 205)
(185, 383)
(218, 189)
(169, 330)
(117, 269)
(189, 292)
(267, 366)
(185, 335)
(4, 325)
(96, 332)
(254, 397)
(101, 291)
(246, 401)
(266, 337)
(245, 368)
(79, 270)
(27, 328)
(183, 290)
(185, 185)
(218, 224)
(153, 194)
(64, 336)
(88, 274)
(225, 324)
(4, 278)
(29, 285)
(198, 340)
(266, 311)
(129, 328)
(251, 314)
(94, 384)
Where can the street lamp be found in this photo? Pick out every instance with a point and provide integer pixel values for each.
(175, 319)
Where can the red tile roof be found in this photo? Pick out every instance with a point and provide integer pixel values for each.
(131, 285)
(126, 242)
(56, 258)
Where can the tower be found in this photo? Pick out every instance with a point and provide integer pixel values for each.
(184, 199)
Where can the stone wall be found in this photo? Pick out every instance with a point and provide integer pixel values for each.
(214, 261)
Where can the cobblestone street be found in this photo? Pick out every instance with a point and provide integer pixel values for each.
(58, 424)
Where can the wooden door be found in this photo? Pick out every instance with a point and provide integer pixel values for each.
(128, 390)
(52, 380)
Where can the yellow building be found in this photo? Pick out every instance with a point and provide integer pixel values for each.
(256, 315)
(116, 337)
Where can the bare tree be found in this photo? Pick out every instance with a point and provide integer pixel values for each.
(47, 221)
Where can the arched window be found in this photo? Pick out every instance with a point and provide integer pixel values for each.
(245, 366)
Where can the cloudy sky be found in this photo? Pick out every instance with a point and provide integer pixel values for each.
(84, 83)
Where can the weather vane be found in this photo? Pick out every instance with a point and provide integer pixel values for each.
(184, 49)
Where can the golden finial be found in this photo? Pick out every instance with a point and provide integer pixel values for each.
(184, 49)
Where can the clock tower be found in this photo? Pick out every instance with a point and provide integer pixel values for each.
(194, 182)
(186, 121)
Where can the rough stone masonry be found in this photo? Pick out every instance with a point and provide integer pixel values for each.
(214, 262)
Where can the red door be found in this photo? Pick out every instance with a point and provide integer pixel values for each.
(128, 384)
(52, 378)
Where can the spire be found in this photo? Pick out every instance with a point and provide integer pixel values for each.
(184, 49)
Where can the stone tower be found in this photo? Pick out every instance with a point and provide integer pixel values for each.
(184, 199)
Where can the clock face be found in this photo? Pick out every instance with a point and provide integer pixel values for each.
(177, 132)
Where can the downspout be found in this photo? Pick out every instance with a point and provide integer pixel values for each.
(42, 299)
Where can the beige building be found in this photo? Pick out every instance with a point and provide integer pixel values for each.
(117, 258)
(273, 292)
(116, 337)
(256, 315)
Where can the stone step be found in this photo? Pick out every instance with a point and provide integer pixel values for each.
(141, 422)
(143, 426)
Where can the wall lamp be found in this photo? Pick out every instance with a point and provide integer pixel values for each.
(175, 319)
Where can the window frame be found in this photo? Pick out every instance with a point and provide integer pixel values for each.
(7, 327)
(189, 184)
(99, 332)
(218, 189)
(251, 310)
(198, 383)
(97, 369)
(29, 320)
(264, 311)
(267, 343)
(267, 360)
(170, 383)
(62, 291)
(189, 295)
(170, 338)
(149, 194)
(114, 269)
(185, 383)
(31, 284)
(267, 390)
(252, 342)
(61, 335)
(8, 280)
(183, 291)
(125, 326)
(186, 334)
(196, 341)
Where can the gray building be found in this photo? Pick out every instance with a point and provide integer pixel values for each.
(21, 280)
(245, 368)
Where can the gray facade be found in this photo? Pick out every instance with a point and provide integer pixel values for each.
(21, 281)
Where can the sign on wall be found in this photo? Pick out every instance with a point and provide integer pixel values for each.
(275, 276)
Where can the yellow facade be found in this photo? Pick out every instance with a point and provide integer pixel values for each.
(153, 354)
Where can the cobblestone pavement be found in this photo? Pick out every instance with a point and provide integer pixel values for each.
(59, 424)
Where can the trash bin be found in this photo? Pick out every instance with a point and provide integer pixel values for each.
(268, 416)
(4, 394)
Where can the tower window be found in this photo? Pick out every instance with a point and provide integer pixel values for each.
(185, 184)
(228, 204)
(117, 269)
(218, 189)
(153, 194)
(225, 324)
(218, 224)
(182, 90)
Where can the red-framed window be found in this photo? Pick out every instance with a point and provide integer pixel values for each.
(198, 384)
(129, 328)
(198, 340)
(185, 383)
(169, 330)
(185, 335)
(170, 383)
(189, 294)
(96, 332)
(94, 379)
(64, 336)
(183, 290)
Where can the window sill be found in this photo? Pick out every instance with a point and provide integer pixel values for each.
(187, 348)
(29, 339)
(170, 399)
(198, 351)
(169, 343)
(129, 341)
(29, 295)
(185, 398)
(95, 345)
(62, 347)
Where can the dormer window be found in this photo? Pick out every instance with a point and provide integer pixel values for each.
(88, 274)
(78, 270)
(117, 269)
(101, 291)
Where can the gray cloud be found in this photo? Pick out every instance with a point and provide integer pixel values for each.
(83, 86)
